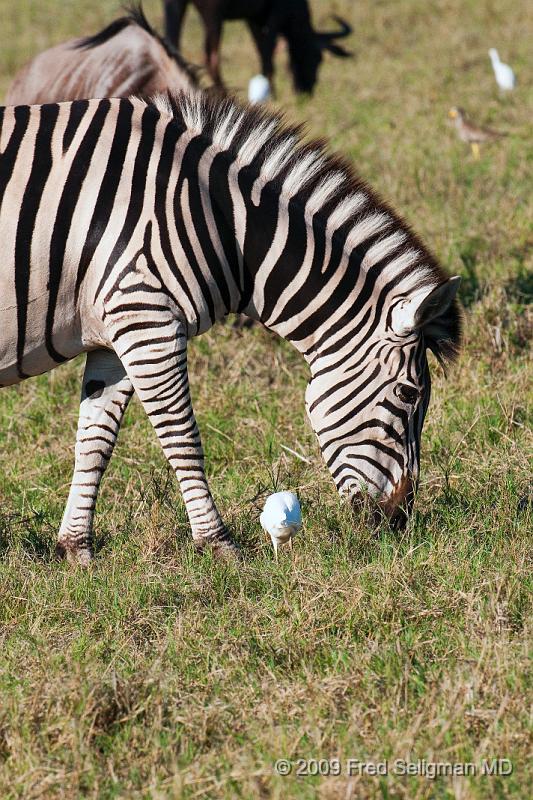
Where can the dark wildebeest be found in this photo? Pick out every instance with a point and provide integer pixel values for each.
(126, 58)
(267, 20)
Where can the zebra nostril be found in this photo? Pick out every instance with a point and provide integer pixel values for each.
(398, 505)
(357, 503)
(363, 506)
(399, 518)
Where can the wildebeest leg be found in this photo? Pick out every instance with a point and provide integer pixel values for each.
(213, 34)
(106, 391)
(174, 14)
(265, 40)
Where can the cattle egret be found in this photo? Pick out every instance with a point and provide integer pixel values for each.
(259, 89)
(281, 518)
(470, 133)
(505, 77)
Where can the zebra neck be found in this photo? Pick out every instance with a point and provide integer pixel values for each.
(302, 277)
(289, 262)
(266, 248)
(253, 245)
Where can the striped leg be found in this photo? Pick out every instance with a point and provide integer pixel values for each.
(106, 391)
(156, 362)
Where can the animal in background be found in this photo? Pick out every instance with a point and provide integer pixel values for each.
(267, 20)
(258, 89)
(125, 58)
(505, 77)
(468, 132)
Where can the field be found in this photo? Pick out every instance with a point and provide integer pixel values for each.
(159, 673)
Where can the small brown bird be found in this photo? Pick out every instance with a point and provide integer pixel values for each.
(470, 133)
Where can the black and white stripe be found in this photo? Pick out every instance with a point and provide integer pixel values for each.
(127, 228)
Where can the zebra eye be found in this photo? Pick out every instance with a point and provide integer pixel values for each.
(407, 394)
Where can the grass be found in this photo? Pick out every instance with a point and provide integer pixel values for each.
(159, 673)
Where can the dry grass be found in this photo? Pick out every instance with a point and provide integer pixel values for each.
(161, 674)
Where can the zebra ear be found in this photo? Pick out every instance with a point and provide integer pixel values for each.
(425, 308)
(436, 303)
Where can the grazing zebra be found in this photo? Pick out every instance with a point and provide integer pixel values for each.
(128, 228)
(126, 58)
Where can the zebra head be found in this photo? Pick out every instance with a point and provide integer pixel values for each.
(367, 405)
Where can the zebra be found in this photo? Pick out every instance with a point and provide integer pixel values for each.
(130, 227)
(125, 58)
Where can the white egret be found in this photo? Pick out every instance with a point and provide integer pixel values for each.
(259, 89)
(281, 518)
(505, 77)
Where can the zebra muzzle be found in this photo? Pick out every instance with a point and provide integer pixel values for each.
(395, 508)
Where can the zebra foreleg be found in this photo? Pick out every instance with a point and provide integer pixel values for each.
(106, 391)
(157, 365)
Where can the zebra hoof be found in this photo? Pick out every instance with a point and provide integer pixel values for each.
(226, 550)
(241, 322)
(78, 557)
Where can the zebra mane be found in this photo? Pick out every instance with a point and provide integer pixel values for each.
(326, 185)
(135, 16)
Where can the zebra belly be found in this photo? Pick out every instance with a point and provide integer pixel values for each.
(36, 358)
